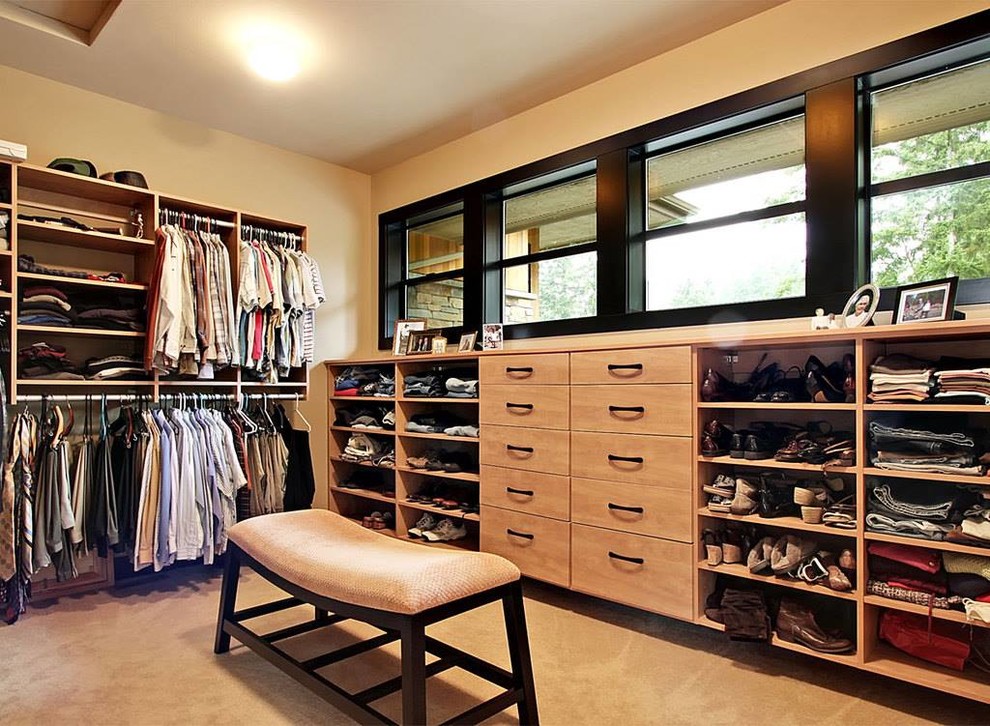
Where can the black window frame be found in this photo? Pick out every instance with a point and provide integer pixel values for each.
(836, 202)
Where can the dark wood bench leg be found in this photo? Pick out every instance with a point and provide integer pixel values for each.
(519, 655)
(413, 673)
(322, 616)
(228, 596)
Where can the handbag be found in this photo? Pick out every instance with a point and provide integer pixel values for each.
(946, 644)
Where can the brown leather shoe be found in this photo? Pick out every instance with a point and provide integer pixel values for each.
(796, 624)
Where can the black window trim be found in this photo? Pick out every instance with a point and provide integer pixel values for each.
(842, 79)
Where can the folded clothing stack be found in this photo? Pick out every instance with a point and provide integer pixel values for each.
(963, 381)
(929, 511)
(364, 381)
(440, 383)
(900, 377)
(424, 385)
(4, 235)
(461, 384)
(45, 360)
(903, 449)
(364, 449)
(26, 263)
(440, 423)
(945, 580)
(115, 367)
(373, 417)
(45, 305)
(50, 306)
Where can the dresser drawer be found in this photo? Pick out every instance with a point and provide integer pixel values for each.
(538, 546)
(544, 450)
(658, 460)
(529, 369)
(545, 495)
(535, 406)
(636, 365)
(652, 574)
(636, 508)
(638, 409)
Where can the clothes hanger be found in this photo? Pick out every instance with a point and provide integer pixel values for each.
(300, 415)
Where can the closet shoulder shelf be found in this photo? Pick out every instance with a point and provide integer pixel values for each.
(95, 332)
(53, 234)
(57, 280)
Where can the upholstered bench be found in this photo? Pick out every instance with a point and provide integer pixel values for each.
(348, 572)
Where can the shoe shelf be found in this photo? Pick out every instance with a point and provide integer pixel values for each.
(452, 513)
(778, 642)
(780, 522)
(954, 616)
(774, 464)
(768, 406)
(362, 399)
(387, 532)
(364, 493)
(366, 464)
(439, 437)
(458, 475)
(361, 430)
(928, 544)
(928, 476)
(743, 572)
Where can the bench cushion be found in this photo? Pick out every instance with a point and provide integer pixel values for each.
(332, 556)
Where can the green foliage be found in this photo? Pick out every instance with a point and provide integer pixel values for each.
(568, 287)
(936, 232)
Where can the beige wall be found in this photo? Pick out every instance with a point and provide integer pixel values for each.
(782, 41)
(194, 161)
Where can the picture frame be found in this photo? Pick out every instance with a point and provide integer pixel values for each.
(401, 331)
(926, 302)
(861, 306)
(438, 345)
(421, 342)
(491, 336)
(468, 341)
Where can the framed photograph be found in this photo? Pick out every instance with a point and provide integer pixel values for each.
(491, 336)
(860, 307)
(400, 335)
(924, 302)
(439, 345)
(420, 341)
(467, 342)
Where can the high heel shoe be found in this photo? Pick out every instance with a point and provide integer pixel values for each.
(732, 544)
(713, 548)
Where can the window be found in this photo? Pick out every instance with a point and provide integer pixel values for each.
(434, 271)
(930, 178)
(549, 265)
(726, 221)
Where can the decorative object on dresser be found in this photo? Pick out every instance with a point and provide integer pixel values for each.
(924, 302)
(861, 306)
(467, 343)
(491, 336)
(400, 334)
(439, 345)
(421, 341)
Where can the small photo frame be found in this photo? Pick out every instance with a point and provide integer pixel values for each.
(467, 343)
(861, 306)
(926, 302)
(439, 345)
(420, 342)
(491, 336)
(400, 334)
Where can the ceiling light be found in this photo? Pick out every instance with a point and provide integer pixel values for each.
(274, 52)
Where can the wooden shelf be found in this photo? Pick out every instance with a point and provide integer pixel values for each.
(929, 544)
(439, 437)
(743, 572)
(452, 513)
(366, 464)
(6, 206)
(5, 295)
(458, 475)
(76, 185)
(774, 464)
(93, 332)
(6, 253)
(776, 641)
(927, 407)
(363, 493)
(57, 280)
(427, 399)
(194, 383)
(971, 683)
(800, 406)
(928, 476)
(954, 616)
(364, 399)
(280, 384)
(385, 532)
(71, 237)
(781, 522)
(359, 430)
(95, 385)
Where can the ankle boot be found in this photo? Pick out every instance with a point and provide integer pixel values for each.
(796, 624)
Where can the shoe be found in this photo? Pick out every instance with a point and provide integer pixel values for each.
(811, 495)
(715, 439)
(426, 522)
(732, 547)
(789, 552)
(847, 563)
(446, 531)
(776, 497)
(837, 579)
(746, 499)
(723, 486)
(812, 515)
(796, 624)
(718, 503)
(713, 548)
(758, 559)
(716, 387)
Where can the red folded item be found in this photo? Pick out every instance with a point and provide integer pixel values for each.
(923, 559)
(936, 641)
(346, 392)
(983, 598)
(917, 585)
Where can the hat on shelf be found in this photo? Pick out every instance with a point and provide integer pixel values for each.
(74, 166)
(131, 178)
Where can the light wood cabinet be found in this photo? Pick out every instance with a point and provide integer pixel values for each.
(540, 547)
(545, 495)
(543, 407)
(635, 508)
(632, 365)
(514, 447)
(527, 370)
(633, 409)
(657, 460)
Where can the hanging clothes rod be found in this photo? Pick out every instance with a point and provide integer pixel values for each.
(250, 228)
(55, 398)
(172, 215)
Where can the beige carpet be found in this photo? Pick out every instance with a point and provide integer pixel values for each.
(143, 655)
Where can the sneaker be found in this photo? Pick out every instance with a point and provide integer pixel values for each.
(446, 531)
(388, 420)
(426, 522)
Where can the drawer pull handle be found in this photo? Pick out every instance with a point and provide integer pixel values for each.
(625, 367)
(523, 492)
(527, 406)
(523, 449)
(631, 409)
(524, 535)
(634, 560)
(528, 370)
(637, 510)
(630, 459)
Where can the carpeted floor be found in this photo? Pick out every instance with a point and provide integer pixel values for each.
(143, 655)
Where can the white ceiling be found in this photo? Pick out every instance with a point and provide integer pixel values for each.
(385, 79)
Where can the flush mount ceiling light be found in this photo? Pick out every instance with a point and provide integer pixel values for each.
(274, 52)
